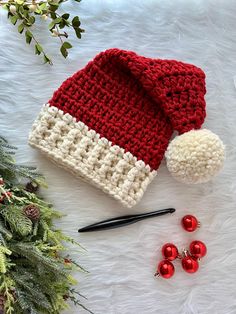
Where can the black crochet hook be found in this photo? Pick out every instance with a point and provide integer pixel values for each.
(124, 220)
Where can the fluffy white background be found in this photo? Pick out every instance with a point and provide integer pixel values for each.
(122, 262)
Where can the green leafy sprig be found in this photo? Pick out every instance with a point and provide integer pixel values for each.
(24, 14)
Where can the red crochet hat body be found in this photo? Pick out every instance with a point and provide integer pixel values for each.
(111, 122)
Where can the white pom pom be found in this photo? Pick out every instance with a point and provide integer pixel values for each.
(195, 156)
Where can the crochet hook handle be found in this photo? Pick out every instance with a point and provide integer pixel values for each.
(124, 220)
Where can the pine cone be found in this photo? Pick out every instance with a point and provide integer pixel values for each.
(32, 212)
(2, 302)
(32, 187)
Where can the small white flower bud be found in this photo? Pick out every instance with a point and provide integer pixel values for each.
(12, 9)
(55, 33)
(32, 7)
(44, 17)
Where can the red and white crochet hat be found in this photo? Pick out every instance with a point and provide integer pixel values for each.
(111, 123)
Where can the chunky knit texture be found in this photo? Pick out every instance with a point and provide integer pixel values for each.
(134, 104)
(195, 156)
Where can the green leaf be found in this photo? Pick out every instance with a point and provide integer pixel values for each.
(38, 49)
(57, 20)
(67, 45)
(62, 25)
(38, 11)
(78, 33)
(53, 15)
(64, 51)
(14, 19)
(43, 6)
(21, 9)
(47, 59)
(32, 19)
(21, 28)
(28, 36)
(65, 16)
(53, 3)
(76, 22)
(53, 7)
(51, 25)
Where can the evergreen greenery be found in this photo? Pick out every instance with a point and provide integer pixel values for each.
(35, 272)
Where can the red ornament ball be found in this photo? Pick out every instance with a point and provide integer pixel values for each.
(189, 264)
(189, 223)
(166, 269)
(170, 251)
(197, 249)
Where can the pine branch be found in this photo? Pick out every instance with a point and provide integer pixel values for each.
(6, 286)
(34, 275)
(3, 260)
(16, 219)
(77, 302)
(30, 252)
(32, 289)
(2, 240)
(9, 169)
(23, 301)
(4, 231)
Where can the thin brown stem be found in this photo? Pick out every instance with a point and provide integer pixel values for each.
(58, 15)
(37, 42)
(58, 34)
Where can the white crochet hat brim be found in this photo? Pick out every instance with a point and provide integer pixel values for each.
(75, 147)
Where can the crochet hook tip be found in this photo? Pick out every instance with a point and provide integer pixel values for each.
(172, 210)
(82, 230)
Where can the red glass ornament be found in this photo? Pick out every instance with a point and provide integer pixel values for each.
(197, 249)
(190, 223)
(170, 251)
(165, 269)
(189, 264)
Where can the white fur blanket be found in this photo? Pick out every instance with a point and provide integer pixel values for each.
(122, 262)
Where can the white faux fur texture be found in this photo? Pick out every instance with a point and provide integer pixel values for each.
(122, 261)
